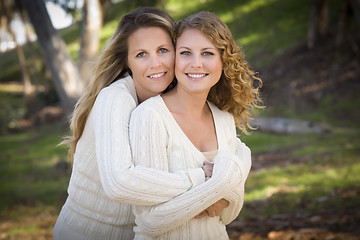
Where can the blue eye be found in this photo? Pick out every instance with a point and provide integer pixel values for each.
(185, 53)
(140, 55)
(207, 53)
(163, 50)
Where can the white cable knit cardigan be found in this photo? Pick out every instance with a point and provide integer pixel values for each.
(104, 180)
(157, 141)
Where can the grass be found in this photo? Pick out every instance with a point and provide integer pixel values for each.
(322, 171)
(326, 164)
(328, 167)
(28, 175)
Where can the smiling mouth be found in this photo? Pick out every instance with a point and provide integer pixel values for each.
(196, 75)
(157, 75)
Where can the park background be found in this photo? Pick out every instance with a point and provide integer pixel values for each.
(304, 182)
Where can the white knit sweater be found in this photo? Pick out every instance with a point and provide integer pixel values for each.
(157, 141)
(104, 180)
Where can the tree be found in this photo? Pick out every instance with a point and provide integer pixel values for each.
(8, 10)
(65, 75)
(90, 36)
(319, 18)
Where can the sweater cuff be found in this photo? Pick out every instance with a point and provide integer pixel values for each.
(225, 156)
(196, 175)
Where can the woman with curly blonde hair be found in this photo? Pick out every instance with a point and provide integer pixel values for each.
(198, 117)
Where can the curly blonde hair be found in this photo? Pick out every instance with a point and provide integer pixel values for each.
(111, 65)
(235, 91)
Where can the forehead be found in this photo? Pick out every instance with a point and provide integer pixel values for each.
(148, 37)
(193, 38)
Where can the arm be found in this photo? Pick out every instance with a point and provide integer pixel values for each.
(157, 219)
(120, 179)
(236, 198)
(229, 207)
(169, 215)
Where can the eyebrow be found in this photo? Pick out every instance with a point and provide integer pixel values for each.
(203, 49)
(144, 50)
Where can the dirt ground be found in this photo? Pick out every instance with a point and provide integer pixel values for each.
(336, 224)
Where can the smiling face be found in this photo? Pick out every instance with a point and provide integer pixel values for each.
(151, 61)
(198, 64)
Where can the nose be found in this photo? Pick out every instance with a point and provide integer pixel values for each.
(196, 62)
(155, 61)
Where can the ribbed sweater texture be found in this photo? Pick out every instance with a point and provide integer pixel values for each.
(104, 182)
(157, 141)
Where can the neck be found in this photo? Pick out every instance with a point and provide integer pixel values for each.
(183, 102)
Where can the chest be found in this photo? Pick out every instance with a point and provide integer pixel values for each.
(201, 133)
(182, 154)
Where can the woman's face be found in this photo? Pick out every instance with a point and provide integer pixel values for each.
(198, 64)
(151, 60)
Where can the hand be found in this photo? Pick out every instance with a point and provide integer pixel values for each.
(214, 210)
(208, 169)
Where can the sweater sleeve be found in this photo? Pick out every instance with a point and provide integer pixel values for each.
(164, 217)
(149, 138)
(120, 179)
(236, 197)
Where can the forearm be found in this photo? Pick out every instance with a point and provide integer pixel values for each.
(121, 180)
(226, 176)
(236, 197)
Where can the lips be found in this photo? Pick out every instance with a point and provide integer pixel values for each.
(157, 75)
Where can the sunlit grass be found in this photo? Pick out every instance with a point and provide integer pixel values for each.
(253, 5)
(12, 88)
(263, 142)
(329, 163)
(27, 174)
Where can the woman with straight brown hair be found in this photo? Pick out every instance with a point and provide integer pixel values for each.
(137, 63)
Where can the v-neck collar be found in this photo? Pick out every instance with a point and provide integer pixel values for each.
(181, 132)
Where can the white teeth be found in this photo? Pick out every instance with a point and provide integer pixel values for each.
(196, 75)
(157, 75)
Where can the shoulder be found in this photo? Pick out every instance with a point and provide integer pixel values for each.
(122, 90)
(222, 115)
(153, 104)
(149, 115)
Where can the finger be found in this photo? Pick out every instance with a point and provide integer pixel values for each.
(201, 215)
(211, 212)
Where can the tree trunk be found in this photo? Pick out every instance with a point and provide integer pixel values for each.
(355, 6)
(90, 36)
(318, 23)
(28, 87)
(6, 12)
(64, 73)
(35, 73)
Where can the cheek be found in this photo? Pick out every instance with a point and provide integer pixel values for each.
(170, 61)
(179, 64)
(216, 68)
(133, 65)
